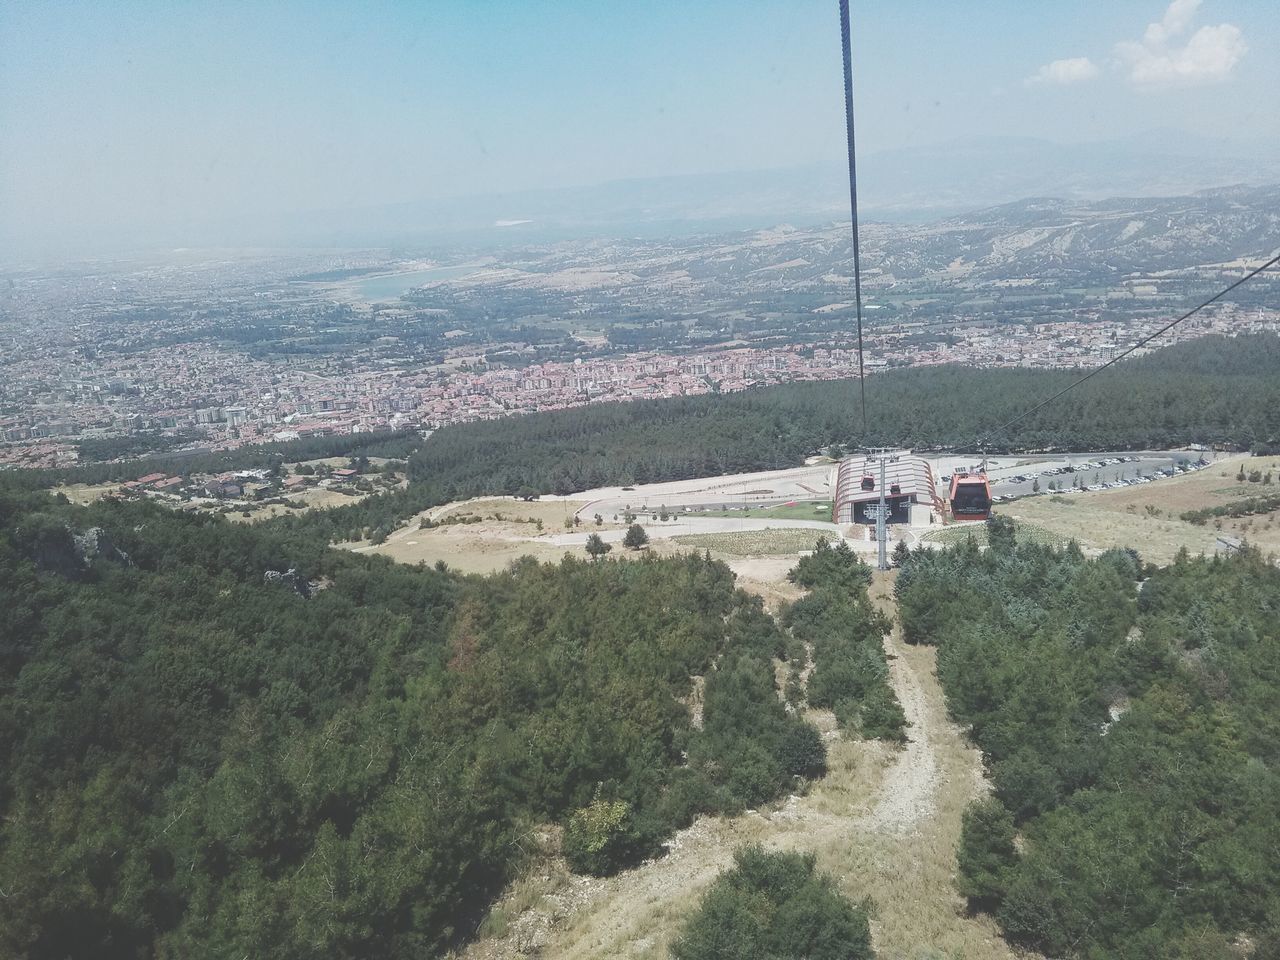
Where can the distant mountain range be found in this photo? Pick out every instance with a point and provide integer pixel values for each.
(913, 184)
(1086, 238)
(1035, 241)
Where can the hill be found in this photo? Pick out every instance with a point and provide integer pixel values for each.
(218, 741)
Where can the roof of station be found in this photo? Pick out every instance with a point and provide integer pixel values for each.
(911, 474)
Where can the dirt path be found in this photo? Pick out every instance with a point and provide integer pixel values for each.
(884, 821)
(908, 795)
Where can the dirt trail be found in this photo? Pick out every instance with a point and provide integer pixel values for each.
(884, 821)
(909, 791)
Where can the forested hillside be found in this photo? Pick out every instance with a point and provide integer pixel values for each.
(215, 741)
(1130, 721)
(1214, 390)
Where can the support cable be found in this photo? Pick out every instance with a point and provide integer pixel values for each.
(846, 50)
(1141, 343)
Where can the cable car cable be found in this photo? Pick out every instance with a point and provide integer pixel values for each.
(846, 50)
(1141, 343)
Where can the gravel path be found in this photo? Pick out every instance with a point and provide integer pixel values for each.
(909, 792)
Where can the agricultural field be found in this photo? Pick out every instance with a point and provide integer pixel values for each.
(1148, 517)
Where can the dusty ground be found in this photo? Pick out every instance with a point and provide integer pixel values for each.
(505, 529)
(1146, 516)
(84, 493)
(884, 821)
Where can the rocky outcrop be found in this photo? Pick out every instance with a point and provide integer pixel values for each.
(289, 578)
(96, 544)
(56, 548)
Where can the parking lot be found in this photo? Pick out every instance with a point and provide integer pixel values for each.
(1092, 472)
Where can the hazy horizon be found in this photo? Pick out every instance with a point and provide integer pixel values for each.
(138, 124)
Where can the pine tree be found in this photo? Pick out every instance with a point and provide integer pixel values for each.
(597, 547)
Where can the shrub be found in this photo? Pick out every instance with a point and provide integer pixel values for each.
(986, 853)
(801, 751)
(774, 906)
(600, 838)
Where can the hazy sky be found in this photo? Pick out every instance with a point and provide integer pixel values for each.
(124, 117)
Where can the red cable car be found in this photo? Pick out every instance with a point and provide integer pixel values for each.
(970, 496)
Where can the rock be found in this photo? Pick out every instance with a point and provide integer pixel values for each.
(289, 578)
(96, 544)
(531, 935)
(55, 547)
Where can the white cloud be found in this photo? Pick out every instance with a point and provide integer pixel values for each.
(1071, 70)
(1158, 61)
(1176, 20)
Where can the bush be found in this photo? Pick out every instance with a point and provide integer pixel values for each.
(774, 906)
(801, 751)
(986, 853)
(600, 838)
(882, 717)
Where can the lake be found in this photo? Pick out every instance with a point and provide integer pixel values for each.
(395, 285)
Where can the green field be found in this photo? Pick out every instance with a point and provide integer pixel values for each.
(801, 510)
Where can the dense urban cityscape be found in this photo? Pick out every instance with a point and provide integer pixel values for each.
(211, 351)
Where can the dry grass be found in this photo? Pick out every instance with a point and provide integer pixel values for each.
(854, 819)
(506, 531)
(754, 543)
(84, 493)
(1146, 517)
(957, 533)
(552, 513)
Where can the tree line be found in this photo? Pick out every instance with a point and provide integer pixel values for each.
(1214, 390)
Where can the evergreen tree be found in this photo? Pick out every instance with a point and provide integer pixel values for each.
(774, 906)
(597, 547)
(986, 854)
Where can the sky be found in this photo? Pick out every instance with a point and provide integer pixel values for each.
(133, 120)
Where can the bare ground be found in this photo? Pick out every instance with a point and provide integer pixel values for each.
(884, 821)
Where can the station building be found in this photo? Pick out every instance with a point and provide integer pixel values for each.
(911, 495)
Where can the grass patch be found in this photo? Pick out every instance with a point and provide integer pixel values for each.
(801, 510)
(1026, 533)
(754, 543)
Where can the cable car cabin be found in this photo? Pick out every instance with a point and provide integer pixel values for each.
(868, 482)
(970, 497)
